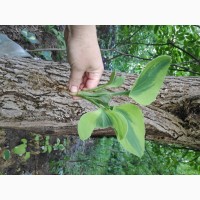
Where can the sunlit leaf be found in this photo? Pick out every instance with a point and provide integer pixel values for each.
(135, 137)
(147, 86)
(37, 138)
(91, 120)
(24, 141)
(27, 155)
(20, 149)
(49, 148)
(119, 123)
(115, 81)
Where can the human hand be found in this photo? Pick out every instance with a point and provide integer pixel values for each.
(84, 57)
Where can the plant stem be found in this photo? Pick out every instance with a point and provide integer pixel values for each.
(126, 93)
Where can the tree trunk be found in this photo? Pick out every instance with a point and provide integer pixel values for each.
(33, 98)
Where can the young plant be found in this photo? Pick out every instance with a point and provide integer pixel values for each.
(58, 145)
(47, 146)
(127, 119)
(21, 149)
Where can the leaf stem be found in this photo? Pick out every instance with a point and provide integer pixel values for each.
(92, 101)
(125, 93)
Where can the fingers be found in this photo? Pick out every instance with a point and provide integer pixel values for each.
(93, 79)
(75, 80)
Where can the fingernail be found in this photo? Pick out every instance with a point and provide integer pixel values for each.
(74, 89)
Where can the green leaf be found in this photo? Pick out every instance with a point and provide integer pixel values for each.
(115, 81)
(87, 124)
(156, 29)
(20, 149)
(57, 141)
(61, 147)
(91, 120)
(102, 119)
(134, 140)
(47, 140)
(24, 141)
(29, 36)
(148, 84)
(100, 97)
(37, 138)
(27, 155)
(46, 55)
(6, 154)
(119, 123)
(49, 148)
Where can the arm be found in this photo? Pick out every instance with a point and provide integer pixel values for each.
(84, 57)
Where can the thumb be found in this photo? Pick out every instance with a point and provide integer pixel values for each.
(75, 80)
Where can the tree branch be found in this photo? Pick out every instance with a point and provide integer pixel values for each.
(128, 39)
(183, 50)
(123, 54)
(47, 49)
(184, 69)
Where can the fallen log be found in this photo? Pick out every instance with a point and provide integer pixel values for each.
(33, 99)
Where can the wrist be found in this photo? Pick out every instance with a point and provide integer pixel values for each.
(82, 31)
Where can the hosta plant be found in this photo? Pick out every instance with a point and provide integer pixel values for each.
(127, 119)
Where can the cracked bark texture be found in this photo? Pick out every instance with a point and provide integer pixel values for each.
(33, 98)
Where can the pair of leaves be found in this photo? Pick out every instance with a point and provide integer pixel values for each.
(100, 96)
(47, 147)
(58, 145)
(127, 121)
(115, 81)
(21, 149)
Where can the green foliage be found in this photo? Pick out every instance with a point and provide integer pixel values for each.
(89, 122)
(31, 147)
(183, 44)
(30, 37)
(112, 159)
(114, 81)
(52, 29)
(46, 147)
(133, 46)
(127, 120)
(27, 155)
(81, 161)
(59, 146)
(21, 149)
(147, 86)
(134, 139)
(6, 154)
(46, 55)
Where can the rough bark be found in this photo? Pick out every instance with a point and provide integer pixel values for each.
(33, 98)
